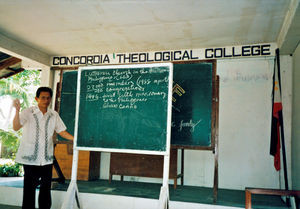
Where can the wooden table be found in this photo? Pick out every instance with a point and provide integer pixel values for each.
(279, 192)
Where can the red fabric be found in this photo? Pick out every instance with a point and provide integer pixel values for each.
(277, 107)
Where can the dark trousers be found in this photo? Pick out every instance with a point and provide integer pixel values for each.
(34, 176)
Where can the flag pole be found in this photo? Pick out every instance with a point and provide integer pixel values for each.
(281, 126)
(282, 131)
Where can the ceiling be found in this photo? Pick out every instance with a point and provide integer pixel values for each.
(42, 29)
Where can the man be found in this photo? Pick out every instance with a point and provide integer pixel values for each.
(36, 147)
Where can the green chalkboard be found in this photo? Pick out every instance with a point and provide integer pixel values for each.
(192, 105)
(68, 100)
(124, 107)
(192, 108)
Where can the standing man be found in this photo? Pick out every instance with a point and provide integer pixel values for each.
(36, 147)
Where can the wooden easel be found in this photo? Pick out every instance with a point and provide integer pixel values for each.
(214, 127)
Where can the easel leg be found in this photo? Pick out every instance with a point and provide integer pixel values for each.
(248, 200)
(216, 136)
(61, 178)
(77, 199)
(164, 191)
(182, 165)
(175, 182)
(110, 178)
(216, 176)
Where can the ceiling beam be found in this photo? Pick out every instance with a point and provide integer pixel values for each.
(289, 24)
(22, 51)
(9, 62)
(9, 72)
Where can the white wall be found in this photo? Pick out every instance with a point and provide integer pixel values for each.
(46, 77)
(244, 128)
(245, 113)
(296, 121)
(245, 122)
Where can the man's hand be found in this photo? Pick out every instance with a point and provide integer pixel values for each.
(16, 122)
(17, 104)
(66, 135)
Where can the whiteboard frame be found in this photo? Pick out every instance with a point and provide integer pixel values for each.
(165, 153)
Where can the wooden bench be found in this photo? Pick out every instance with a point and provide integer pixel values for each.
(279, 192)
(125, 164)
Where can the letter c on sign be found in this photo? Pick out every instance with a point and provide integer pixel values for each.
(55, 60)
(211, 55)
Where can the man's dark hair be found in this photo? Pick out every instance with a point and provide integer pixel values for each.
(43, 89)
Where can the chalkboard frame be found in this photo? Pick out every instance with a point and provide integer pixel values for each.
(215, 99)
(214, 108)
(169, 110)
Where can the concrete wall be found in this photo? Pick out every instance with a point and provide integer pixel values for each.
(296, 121)
(244, 128)
(245, 113)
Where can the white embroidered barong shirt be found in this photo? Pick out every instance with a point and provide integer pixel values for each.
(36, 146)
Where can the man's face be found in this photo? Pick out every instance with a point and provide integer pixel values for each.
(44, 99)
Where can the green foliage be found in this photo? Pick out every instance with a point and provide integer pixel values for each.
(21, 86)
(10, 140)
(10, 169)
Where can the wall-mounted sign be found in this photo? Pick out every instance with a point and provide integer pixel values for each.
(254, 50)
